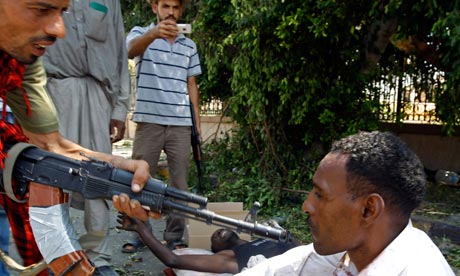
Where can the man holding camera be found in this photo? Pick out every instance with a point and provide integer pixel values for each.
(167, 64)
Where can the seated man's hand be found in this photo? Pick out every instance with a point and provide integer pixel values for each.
(131, 224)
(133, 208)
(127, 223)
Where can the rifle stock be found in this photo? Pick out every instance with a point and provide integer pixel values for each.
(97, 179)
(196, 147)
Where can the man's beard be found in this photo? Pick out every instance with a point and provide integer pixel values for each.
(171, 17)
(27, 60)
(20, 56)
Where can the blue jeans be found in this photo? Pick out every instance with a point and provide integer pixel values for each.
(4, 239)
(4, 225)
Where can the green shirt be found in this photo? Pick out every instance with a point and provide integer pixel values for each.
(43, 118)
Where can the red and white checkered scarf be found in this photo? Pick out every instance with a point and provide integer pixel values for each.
(11, 76)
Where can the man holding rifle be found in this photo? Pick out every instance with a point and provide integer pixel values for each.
(167, 64)
(26, 29)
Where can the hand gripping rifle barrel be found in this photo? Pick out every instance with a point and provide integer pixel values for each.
(98, 179)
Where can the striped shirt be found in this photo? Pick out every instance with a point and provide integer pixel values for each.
(162, 72)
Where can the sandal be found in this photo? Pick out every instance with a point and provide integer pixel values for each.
(132, 246)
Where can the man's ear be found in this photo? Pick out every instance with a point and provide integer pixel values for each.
(154, 7)
(373, 207)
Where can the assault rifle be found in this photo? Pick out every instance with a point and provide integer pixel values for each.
(196, 148)
(98, 179)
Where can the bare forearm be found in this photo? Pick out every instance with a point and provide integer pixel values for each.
(138, 45)
(164, 29)
(54, 142)
(217, 263)
(162, 252)
(194, 95)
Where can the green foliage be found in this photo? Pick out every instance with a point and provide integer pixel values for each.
(296, 222)
(442, 203)
(295, 85)
(448, 29)
(296, 68)
(136, 13)
(233, 175)
(297, 75)
(299, 63)
(453, 257)
(235, 181)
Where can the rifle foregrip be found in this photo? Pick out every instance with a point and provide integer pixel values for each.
(153, 192)
(101, 188)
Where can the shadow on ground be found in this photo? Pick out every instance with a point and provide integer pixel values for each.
(142, 263)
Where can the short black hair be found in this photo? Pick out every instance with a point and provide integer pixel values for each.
(380, 162)
(227, 244)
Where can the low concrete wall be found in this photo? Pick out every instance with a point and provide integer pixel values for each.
(215, 127)
(212, 127)
(436, 151)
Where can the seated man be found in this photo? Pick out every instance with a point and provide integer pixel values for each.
(364, 192)
(232, 254)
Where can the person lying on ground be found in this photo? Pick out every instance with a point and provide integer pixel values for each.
(231, 253)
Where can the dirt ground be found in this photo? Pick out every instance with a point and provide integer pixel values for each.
(142, 263)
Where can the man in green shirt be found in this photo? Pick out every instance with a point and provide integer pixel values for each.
(26, 29)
